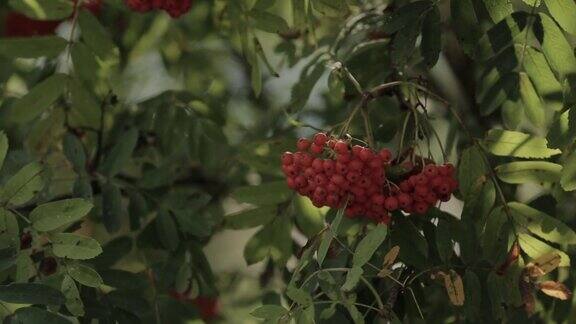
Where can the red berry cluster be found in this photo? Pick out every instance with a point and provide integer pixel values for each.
(175, 8)
(332, 173)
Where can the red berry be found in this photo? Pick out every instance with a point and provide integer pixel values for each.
(25, 241)
(332, 187)
(385, 219)
(356, 165)
(444, 188)
(421, 190)
(320, 192)
(291, 183)
(306, 160)
(352, 176)
(316, 149)
(385, 154)
(331, 143)
(320, 180)
(378, 199)
(404, 200)
(341, 168)
(338, 179)
(320, 139)
(406, 186)
(431, 198)
(309, 173)
(332, 200)
(436, 182)
(48, 266)
(356, 149)
(300, 181)
(341, 147)
(358, 191)
(421, 207)
(376, 162)
(366, 154)
(289, 170)
(287, 158)
(329, 166)
(364, 182)
(391, 203)
(303, 144)
(430, 171)
(318, 165)
(344, 158)
(420, 179)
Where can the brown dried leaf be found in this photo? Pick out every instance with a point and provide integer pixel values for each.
(510, 258)
(384, 273)
(555, 289)
(455, 288)
(391, 256)
(527, 293)
(543, 264)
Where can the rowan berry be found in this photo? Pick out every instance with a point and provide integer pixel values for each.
(316, 149)
(329, 166)
(421, 207)
(320, 139)
(385, 154)
(318, 165)
(356, 165)
(404, 200)
(365, 154)
(341, 147)
(430, 171)
(391, 203)
(303, 144)
(287, 158)
(378, 199)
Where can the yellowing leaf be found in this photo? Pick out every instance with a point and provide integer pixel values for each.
(455, 288)
(555, 289)
(544, 264)
(391, 256)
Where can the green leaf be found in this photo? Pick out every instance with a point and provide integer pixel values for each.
(44, 9)
(73, 302)
(561, 132)
(535, 248)
(166, 230)
(3, 147)
(413, 245)
(299, 296)
(273, 241)
(473, 295)
(23, 186)
(86, 66)
(112, 211)
(264, 4)
(31, 293)
(471, 171)
(352, 278)
(564, 12)
(331, 8)
(136, 305)
(251, 218)
(369, 245)
(431, 37)
(555, 47)
(84, 275)
(113, 251)
(533, 106)
(495, 284)
(406, 15)
(32, 47)
(269, 312)
(120, 153)
(512, 114)
(38, 99)
(29, 315)
(74, 246)
(502, 35)
(546, 84)
(498, 9)
(268, 22)
(303, 88)
(96, 36)
(505, 88)
(265, 194)
(542, 224)
(443, 238)
(492, 238)
(328, 236)
(404, 43)
(517, 144)
(568, 176)
(84, 110)
(529, 172)
(74, 151)
(52, 215)
(466, 25)
(9, 229)
(24, 268)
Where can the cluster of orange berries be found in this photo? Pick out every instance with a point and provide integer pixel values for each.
(175, 8)
(333, 173)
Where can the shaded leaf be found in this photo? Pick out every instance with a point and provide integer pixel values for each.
(265, 194)
(84, 275)
(542, 224)
(273, 241)
(3, 147)
(32, 47)
(31, 293)
(568, 175)
(369, 244)
(29, 315)
(112, 211)
(43, 9)
(73, 302)
(431, 37)
(120, 153)
(166, 230)
(38, 99)
(251, 218)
